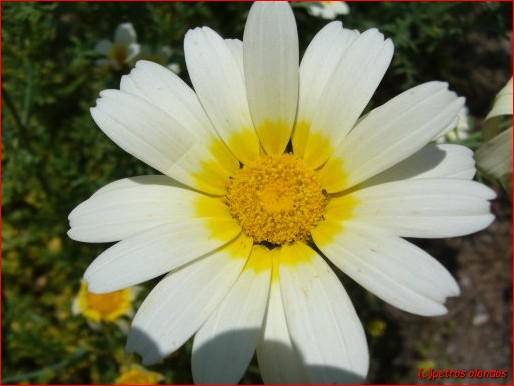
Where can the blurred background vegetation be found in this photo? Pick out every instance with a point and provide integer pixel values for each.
(54, 157)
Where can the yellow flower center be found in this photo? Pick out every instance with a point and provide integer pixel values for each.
(277, 199)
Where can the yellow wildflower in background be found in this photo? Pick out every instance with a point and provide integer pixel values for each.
(54, 245)
(137, 375)
(104, 308)
(377, 327)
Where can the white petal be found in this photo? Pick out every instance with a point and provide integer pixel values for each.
(278, 360)
(271, 72)
(503, 102)
(215, 74)
(340, 7)
(151, 179)
(354, 69)
(102, 62)
(425, 208)
(164, 89)
(493, 125)
(183, 300)
(125, 34)
(224, 345)
(315, 10)
(236, 47)
(121, 212)
(167, 91)
(432, 161)
(495, 156)
(207, 169)
(103, 47)
(316, 70)
(391, 133)
(447, 129)
(157, 251)
(141, 129)
(320, 60)
(393, 269)
(322, 322)
(328, 9)
(133, 50)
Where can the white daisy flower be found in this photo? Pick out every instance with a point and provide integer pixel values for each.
(328, 10)
(495, 156)
(124, 49)
(268, 172)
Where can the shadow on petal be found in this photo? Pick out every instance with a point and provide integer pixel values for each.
(424, 160)
(222, 362)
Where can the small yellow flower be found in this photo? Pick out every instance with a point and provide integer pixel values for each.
(54, 245)
(377, 327)
(108, 307)
(137, 375)
(427, 364)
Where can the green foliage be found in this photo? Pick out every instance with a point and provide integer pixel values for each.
(54, 156)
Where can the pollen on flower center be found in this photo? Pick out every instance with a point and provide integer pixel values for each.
(277, 199)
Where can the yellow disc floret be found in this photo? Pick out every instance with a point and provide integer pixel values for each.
(277, 199)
